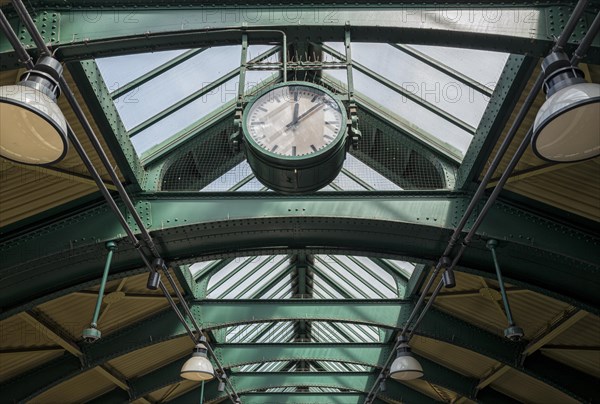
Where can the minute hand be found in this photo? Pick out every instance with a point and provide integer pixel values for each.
(304, 115)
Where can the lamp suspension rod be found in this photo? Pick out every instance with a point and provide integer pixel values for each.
(111, 246)
(560, 43)
(491, 244)
(27, 20)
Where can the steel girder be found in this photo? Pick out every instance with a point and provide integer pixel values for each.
(436, 325)
(353, 381)
(84, 33)
(535, 252)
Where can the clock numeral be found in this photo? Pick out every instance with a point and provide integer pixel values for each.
(312, 146)
(263, 109)
(328, 137)
(274, 148)
(293, 150)
(257, 123)
(313, 99)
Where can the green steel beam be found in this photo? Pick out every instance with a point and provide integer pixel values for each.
(233, 355)
(97, 98)
(513, 80)
(415, 282)
(352, 381)
(165, 326)
(535, 252)
(80, 33)
(368, 354)
(157, 71)
(302, 398)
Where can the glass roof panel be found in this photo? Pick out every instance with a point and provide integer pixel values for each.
(482, 66)
(408, 111)
(120, 70)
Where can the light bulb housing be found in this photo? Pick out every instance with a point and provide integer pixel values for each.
(567, 126)
(405, 366)
(198, 367)
(33, 129)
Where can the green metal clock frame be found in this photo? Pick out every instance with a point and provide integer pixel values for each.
(293, 175)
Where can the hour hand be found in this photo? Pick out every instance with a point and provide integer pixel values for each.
(295, 118)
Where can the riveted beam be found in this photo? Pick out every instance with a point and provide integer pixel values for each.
(329, 397)
(537, 253)
(233, 355)
(80, 33)
(352, 381)
(510, 85)
(165, 326)
(99, 101)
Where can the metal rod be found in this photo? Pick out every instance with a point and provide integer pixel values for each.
(586, 42)
(491, 244)
(111, 246)
(434, 294)
(202, 393)
(243, 63)
(350, 77)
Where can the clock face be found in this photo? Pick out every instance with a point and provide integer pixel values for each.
(295, 121)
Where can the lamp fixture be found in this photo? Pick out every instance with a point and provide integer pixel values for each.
(33, 130)
(567, 126)
(198, 367)
(405, 366)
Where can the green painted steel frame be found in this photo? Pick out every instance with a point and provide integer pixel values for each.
(80, 33)
(541, 254)
(98, 99)
(216, 314)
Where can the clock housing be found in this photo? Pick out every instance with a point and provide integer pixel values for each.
(295, 137)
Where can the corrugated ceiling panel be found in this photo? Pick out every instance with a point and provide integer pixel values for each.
(529, 390)
(574, 188)
(436, 392)
(531, 311)
(461, 360)
(584, 332)
(174, 390)
(585, 361)
(72, 312)
(144, 360)
(25, 193)
(17, 333)
(78, 389)
(12, 364)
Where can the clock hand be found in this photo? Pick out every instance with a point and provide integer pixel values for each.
(305, 115)
(295, 118)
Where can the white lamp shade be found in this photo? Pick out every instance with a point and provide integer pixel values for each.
(567, 126)
(33, 130)
(406, 368)
(198, 367)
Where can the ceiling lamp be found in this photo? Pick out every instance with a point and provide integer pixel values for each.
(33, 129)
(198, 367)
(567, 126)
(405, 366)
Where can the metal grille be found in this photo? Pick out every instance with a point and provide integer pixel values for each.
(386, 160)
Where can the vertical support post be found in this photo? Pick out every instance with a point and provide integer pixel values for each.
(354, 134)
(350, 77)
(243, 67)
(202, 393)
(512, 331)
(92, 334)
